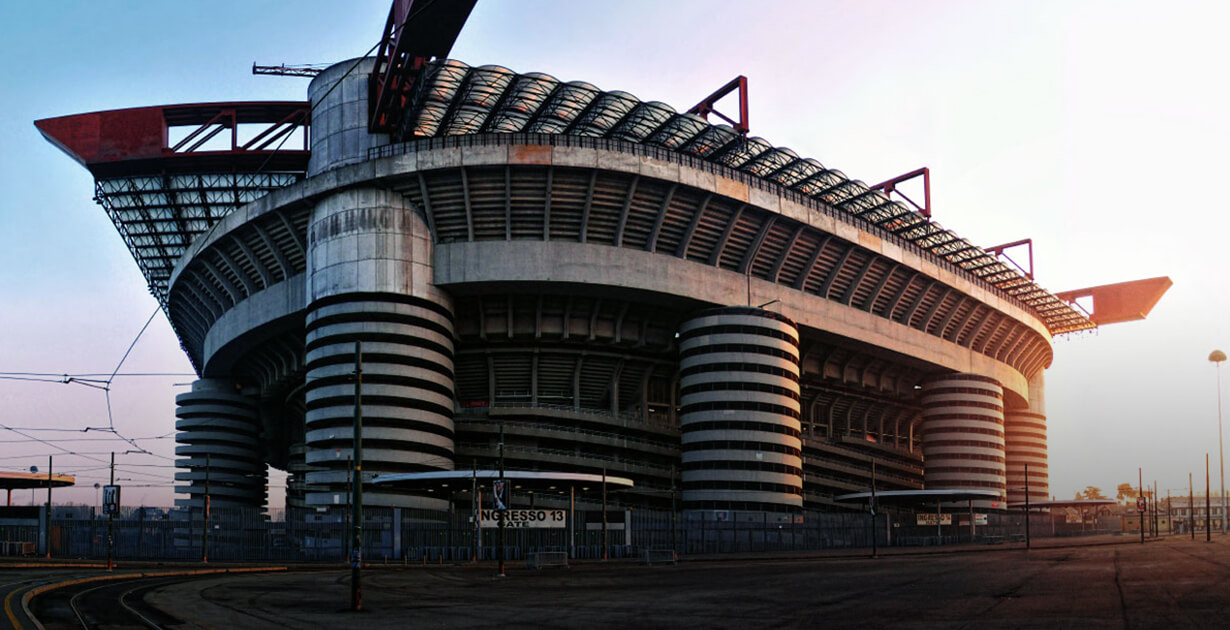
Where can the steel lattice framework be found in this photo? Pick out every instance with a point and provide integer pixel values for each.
(159, 216)
(161, 195)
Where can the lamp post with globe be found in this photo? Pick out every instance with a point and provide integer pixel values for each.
(1217, 356)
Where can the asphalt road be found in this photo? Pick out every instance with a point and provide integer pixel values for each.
(1169, 583)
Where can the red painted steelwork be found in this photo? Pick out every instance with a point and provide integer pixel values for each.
(706, 106)
(1123, 301)
(414, 33)
(890, 186)
(124, 141)
(998, 250)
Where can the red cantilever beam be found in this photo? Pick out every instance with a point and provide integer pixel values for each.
(706, 106)
(999, 251)
(415, 32)
(1121, 302)
(890, 186)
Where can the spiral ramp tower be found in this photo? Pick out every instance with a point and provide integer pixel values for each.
(739, 381)
(219, 447)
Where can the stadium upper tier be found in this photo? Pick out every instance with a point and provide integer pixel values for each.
(453, 99)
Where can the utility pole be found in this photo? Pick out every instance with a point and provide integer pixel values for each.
(874, 542)
(111, 521)
(1217, 356)
(48, 538)
(1156, 512)
(1140, 488)
(476, 508)
(205, 534)
(496, 502)
(356, 551)
(1208, 505)
(674, 514)
(1169, 518)
(349, 505)
(1028, 543)
(1191, 506)
(604, 543)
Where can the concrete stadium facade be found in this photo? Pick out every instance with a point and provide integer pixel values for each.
(620, 289)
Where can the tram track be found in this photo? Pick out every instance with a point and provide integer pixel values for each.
(112, 600)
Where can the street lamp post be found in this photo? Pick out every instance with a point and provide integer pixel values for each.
(1217, 356)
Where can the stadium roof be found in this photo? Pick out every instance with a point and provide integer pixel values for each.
(162, 195)
(453, 99)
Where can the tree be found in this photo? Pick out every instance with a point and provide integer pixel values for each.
(1126, 493)
(1092, 492)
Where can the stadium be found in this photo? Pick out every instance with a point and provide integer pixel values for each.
(550, 277)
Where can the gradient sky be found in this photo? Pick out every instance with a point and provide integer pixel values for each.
(1098, 129)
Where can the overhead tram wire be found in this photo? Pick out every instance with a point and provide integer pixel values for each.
(83, 379)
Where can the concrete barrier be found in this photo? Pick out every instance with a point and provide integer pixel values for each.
(540, 559)
(660, 556)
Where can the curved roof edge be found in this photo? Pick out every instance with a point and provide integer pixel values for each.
(452, 98)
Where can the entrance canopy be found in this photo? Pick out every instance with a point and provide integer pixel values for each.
(24, 481)
(1070, 503)
(444, 482)
(923, 497)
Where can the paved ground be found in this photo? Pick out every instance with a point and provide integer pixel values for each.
(1168, 583)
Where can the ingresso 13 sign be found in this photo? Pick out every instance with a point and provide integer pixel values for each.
(524, 518)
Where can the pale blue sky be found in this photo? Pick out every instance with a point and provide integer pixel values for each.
(1096, 128)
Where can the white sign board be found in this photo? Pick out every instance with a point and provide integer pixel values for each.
(524, 518)
(111, 499)
(928, 518)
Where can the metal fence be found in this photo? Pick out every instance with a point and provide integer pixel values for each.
(422, 536)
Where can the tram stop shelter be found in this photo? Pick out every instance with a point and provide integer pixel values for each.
(1083, 505)
(11, 481)
(923, 499)
(27, 524)
(449, 484)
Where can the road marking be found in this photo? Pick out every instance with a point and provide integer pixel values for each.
(8, 609)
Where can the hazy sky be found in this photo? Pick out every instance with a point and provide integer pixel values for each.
(1099, 129)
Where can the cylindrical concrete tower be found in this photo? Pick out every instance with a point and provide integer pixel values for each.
(216, 419)
(339, 116)
(963, 433)
(370, 281)
(1025, 443)
(739, 381)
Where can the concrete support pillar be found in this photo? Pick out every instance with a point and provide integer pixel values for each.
(741, 435)
(215, 419)
(370, 280)
(1025, 443)
(963, 433)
